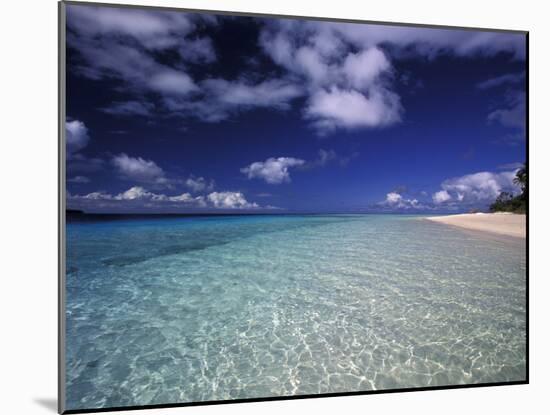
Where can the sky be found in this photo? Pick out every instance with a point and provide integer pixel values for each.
(170, 111)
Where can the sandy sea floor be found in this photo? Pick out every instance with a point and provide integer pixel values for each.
(186, 310)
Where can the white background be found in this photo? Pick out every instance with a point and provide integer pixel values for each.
(28, 227)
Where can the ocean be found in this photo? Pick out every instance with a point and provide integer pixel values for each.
(175, 309)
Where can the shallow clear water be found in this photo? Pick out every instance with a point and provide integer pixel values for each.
(173, 310)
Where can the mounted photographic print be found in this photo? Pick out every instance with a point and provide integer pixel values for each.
(260, 207)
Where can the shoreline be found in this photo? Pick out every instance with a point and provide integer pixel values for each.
(508, 224)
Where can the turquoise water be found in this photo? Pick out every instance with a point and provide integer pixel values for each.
(172, 310)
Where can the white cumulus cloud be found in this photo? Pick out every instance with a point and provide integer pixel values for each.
(76, 135)
(134, 193)
(340, 108)
(441, 197)
(139, 193)
(172, 82)
(395, 200)
(363, 68)
(139, 169)
(477, 187)
(273, 170)
(230, 200)
(94, 196)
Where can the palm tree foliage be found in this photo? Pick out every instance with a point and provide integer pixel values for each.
(521, 178)
(507, 202)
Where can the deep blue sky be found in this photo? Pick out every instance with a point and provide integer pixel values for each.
(179, 112)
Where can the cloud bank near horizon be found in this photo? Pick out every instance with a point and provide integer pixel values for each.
(476, 190)
(138, 198)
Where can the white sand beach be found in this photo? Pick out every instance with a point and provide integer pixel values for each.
(500, 223)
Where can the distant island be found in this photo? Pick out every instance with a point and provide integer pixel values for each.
(74, 213)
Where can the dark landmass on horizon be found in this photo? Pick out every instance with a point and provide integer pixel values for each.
(74, 215)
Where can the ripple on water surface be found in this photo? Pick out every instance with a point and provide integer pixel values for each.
(179, 310)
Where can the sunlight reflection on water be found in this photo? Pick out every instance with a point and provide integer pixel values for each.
(180, 310)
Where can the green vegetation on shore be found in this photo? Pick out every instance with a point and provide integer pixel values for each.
(507, 202)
